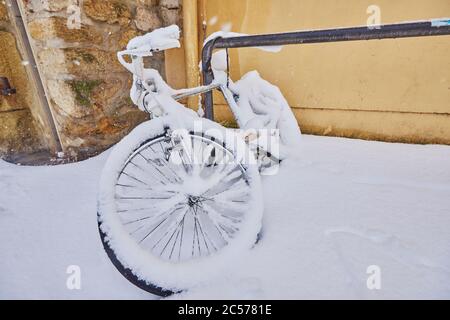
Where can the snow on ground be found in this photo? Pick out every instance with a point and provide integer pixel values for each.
(342, 206)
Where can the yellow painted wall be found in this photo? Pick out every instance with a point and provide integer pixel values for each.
(393, 90)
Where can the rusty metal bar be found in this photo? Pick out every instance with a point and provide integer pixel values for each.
(46, 117)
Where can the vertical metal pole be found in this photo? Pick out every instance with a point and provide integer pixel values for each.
(208, 77)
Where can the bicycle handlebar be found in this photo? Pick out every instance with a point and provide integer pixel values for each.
(144, 46)
(158, 40)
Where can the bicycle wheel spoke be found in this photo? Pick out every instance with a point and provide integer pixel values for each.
(126, 186)
(185, 164)
(142, 198)
(133, 210)
(163, 208)
(154, 229)
(198, 237)
(205, 236)
(167, 232)
(219, 220)
(223, 186)
(134, 178)
(138, 220)
(168, 203)
(174, 244)
(137, 166)
(193, 238)
(168, 241)
(222, 179)
(178, 234)
(149, 161)
(181, 239)
(235, 209)
(177, 179)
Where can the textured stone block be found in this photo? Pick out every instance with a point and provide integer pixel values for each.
(147, 19)
(107, 11)
(47, 29)
(170, 4)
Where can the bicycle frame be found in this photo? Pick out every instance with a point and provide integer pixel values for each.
(153, 95)
(147, 92)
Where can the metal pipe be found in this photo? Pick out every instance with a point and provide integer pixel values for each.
(43, 114)
(195, 91)
(392, 31)
(208, 76)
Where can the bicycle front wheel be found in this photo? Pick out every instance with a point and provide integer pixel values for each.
(175, 209)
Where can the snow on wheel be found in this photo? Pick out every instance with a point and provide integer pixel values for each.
(176, 208)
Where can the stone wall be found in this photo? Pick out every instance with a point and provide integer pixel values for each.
(75, 44)
(3, 12)
(18, 130)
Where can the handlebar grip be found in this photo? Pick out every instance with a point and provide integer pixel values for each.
(158, 40)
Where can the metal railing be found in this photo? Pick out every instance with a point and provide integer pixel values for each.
(436, 27)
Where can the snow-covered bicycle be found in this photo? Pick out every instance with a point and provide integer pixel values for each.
(180, 197)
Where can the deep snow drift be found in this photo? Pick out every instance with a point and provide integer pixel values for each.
(342, 206)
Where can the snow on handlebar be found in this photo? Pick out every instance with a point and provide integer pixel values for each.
(146, 45)
(158, 40)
